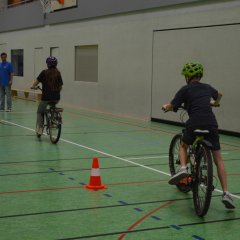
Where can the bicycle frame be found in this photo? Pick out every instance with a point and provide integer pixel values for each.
(200, 179)
(192, 154)
(53, 119)
(200, 176)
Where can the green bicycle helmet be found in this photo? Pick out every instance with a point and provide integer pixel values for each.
(192, 70)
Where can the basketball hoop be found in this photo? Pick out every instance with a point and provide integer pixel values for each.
(47, 5)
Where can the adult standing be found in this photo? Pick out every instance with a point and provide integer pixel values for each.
(6, 79)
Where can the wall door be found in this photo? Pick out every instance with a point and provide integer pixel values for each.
(3, 48)
(217, 48)
(54, 51)
(38, 61)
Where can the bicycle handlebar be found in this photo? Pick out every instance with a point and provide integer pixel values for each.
(218, 105)
(184, 108)
(179, 108)
(36, 88)
(164, 109)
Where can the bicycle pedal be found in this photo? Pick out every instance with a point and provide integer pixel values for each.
(186, 180)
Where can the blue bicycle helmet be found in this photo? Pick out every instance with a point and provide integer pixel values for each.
(51, 62)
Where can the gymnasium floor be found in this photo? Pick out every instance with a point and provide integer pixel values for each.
(42, 185)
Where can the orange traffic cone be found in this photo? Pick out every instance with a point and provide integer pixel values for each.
(95, 179)
(61, 1)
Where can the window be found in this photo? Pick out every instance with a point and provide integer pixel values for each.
(17, 61)
(86, 63)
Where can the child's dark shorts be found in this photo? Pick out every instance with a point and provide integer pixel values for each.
(212, 137)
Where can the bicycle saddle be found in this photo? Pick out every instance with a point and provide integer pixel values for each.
(52, 104)
(201, 132)
(58, 109)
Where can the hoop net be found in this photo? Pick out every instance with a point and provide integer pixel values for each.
(46, 5)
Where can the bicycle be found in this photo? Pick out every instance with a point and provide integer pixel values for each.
(53, 121)
(200, 167)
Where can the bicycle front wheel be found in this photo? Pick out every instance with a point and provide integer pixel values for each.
(202, 187)
(54, 131)
(174, 161)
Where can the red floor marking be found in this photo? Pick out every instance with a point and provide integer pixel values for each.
(73, 187)
(233, 174)
(40, 190)
(141, 219)
(140, 182)
(116, 121)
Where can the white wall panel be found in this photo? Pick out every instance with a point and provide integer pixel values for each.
(38, 62)
(127, 63)
(216, 48)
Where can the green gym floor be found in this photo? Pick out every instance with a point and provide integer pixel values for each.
(42, 193)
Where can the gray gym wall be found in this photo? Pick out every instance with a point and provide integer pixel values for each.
(30, 14)
(140, 55)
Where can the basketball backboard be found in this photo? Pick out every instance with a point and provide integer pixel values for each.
(57, 5)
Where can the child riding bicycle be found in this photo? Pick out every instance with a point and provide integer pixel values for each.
(198, 98)
(51, 81)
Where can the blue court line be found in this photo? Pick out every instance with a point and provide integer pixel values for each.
(107, 195)
(197, 237)
(122, 202)
(175, 227)
(156, 218)
(138, 209)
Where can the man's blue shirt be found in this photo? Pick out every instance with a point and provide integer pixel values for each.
(5, 73)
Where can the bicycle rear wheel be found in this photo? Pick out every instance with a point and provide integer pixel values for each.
(202, 187)
(55, 128)
(174, 161)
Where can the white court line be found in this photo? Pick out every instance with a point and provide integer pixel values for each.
(11, 113)
(139, 158)
(94, 150)
(107, 154)
(225, 153)
(151, 157)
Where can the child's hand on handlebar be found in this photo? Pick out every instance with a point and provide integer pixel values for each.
(164, 108)
(213, 103)
(35, 87)
(167, 107)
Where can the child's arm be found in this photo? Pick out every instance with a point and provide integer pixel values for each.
(35, 83)
(167, 107)
(216, 102)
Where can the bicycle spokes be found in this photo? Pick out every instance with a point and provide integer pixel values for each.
(174, 162)
(202, 189)
(53, 123)
(54, 131)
